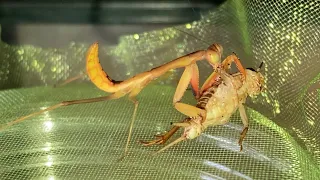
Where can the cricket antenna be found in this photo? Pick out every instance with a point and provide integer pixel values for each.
(189, 34)
(260, 66)
(182, 138)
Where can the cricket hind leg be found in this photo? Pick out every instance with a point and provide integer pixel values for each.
(161, 139)
(64, 103)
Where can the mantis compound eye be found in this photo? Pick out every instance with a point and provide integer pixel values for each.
(213, 57)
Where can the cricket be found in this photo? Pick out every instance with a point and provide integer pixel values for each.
(220, 96)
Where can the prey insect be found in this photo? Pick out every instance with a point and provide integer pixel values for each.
(218, 100)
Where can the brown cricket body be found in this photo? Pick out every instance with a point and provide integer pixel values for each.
(219, 102)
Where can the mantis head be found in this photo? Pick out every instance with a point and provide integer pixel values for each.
(213, 54)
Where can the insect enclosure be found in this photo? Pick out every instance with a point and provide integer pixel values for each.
(85, 141)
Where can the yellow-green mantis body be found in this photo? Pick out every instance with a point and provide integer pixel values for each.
(200, 116)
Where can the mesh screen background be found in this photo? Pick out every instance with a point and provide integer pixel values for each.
(85, 141)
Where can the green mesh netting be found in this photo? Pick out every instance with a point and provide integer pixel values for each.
(85, 141)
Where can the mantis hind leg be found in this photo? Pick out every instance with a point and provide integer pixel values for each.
(65, 103)
(132, 97)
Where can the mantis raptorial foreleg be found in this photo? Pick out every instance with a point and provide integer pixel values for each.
(226, 65)
(233, 58)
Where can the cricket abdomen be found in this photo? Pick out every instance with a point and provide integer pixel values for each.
(204, 99)
(220, 103)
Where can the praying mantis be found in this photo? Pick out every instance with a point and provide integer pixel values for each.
(221, 87)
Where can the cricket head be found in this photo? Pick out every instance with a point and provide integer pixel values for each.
(193, 130)
(255, 81)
